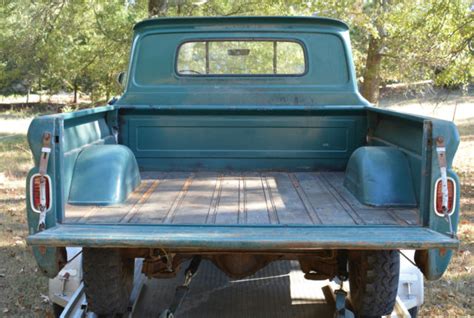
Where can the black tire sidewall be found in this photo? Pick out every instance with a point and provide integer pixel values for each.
(108, 281)
(373, 279)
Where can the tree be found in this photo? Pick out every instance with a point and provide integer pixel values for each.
(371, 81)
(157, 7)
(78, 46)
(406, 41)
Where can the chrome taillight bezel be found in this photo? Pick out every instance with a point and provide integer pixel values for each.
(435, 197)
(50, 196)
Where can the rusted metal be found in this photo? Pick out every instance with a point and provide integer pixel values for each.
(61, 257)
(241, 265)
(182, 290)
(45, 151)
(42, 249)
(422, 261)
(441, 150)
(320, 265)
(162, 265)
(43, 170)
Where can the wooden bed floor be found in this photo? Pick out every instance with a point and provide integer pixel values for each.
(301, 198)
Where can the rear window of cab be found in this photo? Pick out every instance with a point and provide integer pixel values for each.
(164, 59)
(241, 57)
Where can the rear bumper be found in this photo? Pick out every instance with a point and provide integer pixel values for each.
(192, 238)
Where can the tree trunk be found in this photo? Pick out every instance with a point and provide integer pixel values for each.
(40, 88)
(157, 7)
(75, 93)
(370, 87)
(28, 95)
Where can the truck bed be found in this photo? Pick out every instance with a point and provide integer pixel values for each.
(250, 198)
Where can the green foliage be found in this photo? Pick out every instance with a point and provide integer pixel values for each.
(422, 40)
(66, 45)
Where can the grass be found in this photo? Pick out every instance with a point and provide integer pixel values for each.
(12, 111)
(453, 294)
(21, 111)
(22, 286)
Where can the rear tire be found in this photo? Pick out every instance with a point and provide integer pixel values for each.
(108, 281)
(413, 311)
(57, 310)
(373, 279)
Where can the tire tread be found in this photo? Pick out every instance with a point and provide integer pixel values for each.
(107, 282)
(379, 282)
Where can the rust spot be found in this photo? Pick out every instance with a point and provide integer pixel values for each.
(42, 250)
(238, 266)
(442, 251)
(61, 257)
(46, 137)
(421, 260)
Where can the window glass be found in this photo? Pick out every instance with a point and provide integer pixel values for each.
(241, 57)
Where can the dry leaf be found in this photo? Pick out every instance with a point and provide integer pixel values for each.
(44, 298)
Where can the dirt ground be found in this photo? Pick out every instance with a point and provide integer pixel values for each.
(23, 290)
(453, 294)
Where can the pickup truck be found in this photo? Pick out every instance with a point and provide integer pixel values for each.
(242, 140)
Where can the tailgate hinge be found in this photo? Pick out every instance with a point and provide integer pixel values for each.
(43, 168)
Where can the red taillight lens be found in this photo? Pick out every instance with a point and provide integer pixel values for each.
(36, 192)
(439, 196)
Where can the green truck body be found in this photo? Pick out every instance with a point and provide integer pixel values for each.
(192, 136)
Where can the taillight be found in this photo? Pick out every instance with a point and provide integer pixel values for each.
(35, 193)
(438, 199)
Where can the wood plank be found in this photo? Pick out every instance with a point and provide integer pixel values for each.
(377, 216)
(288, 204)
(410, 216)
(337, 181)
(267, 183)
(74, 213)
(161, 201)
(400, 215)
(242, 198)
(227, 209)
(256, 211)
(179, 199)
(153, 184)
(107, 214)
(353, 213)
(324, 203)
(312, 212)
(216, 197)
(197, 200)
(241, 216)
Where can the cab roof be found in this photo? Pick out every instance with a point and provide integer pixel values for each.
(273, 22)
